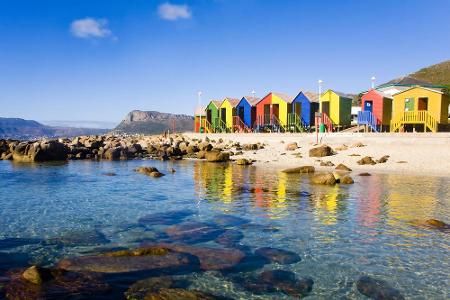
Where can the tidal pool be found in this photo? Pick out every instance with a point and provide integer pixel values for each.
(374, 227)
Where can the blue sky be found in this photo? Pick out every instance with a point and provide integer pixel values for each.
(98, 60)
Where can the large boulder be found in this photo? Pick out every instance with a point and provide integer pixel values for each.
(40, 151)
(367, 160)
(302, 169)
(324, 178)
(321, 151)
(377, 289)
(291, 146)
(343, 167)
(217, 156)
(112, 153)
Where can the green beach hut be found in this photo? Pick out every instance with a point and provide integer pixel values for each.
(212, 115)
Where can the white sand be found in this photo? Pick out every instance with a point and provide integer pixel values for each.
(424, 153)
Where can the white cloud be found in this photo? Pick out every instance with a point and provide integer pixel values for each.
(173, 12)
(90, 28)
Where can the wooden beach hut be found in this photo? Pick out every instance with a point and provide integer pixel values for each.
(376, 110)
(212, 115)
(246, 113)
(272, 112)
(336, 107)
(226, 112)
(199, 119)
(302, 113)
(420, 108)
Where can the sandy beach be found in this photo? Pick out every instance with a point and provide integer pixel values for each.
(410, 153)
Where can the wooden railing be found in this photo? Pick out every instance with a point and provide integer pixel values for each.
(207, 125)
(295, 123)
(327, 122)
(368, 118)
(277, 122)
(221, 125)
(415, 117)
(239, 125)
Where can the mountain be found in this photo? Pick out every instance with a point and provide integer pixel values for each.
(438, 74)
(15, 128)
(153, 122)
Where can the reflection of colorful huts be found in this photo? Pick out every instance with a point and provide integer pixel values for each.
(272, 111)
(335, 107)
(246, 113)
(376, 110)
(303, 109)
(422, 107)
(199, 119)
(226, 112)
(212, 115)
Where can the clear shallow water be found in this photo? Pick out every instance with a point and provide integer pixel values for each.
(340, 232)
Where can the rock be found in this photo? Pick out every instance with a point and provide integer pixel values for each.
(149, 171)
(142, 289)
(217, 156)
(402, 162)
(383, 159)
(437, 224)
(128, 263)
(302, 169)
(156, 174)
(279, 256)
(139, 252)
(193, 232)
(229, 220)
(79, 238)
(341, 148)
(179, 294)
(367, 160)
(112, 153)
(326, 164)
(324, 178)
(205, 146)
(210, 258)
(291, 146)
(287, 282)
(172, 170)
(343, 167)
(165, 218)
(201, 154)
(365, 174)
(357, 145)
(243, 162)
(377, 289)
(40, 151)
(321, 151)
(346, 180)
(230, 238)
(250, 147)
(110, 174)
(37, 275)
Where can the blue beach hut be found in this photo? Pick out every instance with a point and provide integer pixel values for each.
(304, 106)
(246, 110)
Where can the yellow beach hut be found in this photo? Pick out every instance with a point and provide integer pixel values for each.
(337, 107)
(420, 108)
(226, 112)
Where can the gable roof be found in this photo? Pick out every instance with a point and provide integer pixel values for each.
(251, 100)
(200, 111)
(216, 103)
(284, 97)
(233, 101)
(384, 95)
(312, 97)
(340, 94)
(435, 90)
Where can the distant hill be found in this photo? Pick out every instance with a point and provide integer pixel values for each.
(15, 128)
(438, 74)
(153, 122)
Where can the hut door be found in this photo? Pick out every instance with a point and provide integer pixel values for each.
(326, 107)
(253, 117)
(423, 104)
(276, 110)
(368, 106)
(209, 116)
(267, 114)
(298, 109)
(223, 114)
(241, 113)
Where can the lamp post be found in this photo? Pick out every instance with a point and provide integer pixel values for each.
(199, 98)
(320, 82)
(373, 81)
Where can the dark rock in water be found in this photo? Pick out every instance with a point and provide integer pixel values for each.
(17, 242)
(278, 276)
(383, 159)
(229, 238)
(142, 288)
(129, 263)
(343, 167)
(365, 174)
(180, 294)
(325, 178)
(287, 282)
(367, 160)
(321, 151)
(255, 285)
(279, 256)
(229, 220)
(37, 275)
(193, 232)
(217, 156)
(109, 174)
(80, 238)
(149, 171)
(59, 284)
(165, 218)
(210, 258)
(377, 289)
(437, 224)
(302, 169)
(346, 180)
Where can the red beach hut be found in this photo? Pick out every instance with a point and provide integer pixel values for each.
(376, 110)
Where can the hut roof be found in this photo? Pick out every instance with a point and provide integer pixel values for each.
(381, 93)
(233, 101)
(312, 97)
(435, 90)
(200, 111)
(284, 97)
(343, 95)
(216, 103)
(252, 100)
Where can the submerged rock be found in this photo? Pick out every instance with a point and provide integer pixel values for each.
(165, 218)
(321, 151)
(79, 238)
(193, 232)
(346, 180)
(324, 178)
(180, 294)
(229, 220)
(17, 242)
(149, 171)
(217, 156)
(244, 162)
(279, 256)
(437, 224)
(377, 289)
(143, 288)
(230, 238)
(302, 169)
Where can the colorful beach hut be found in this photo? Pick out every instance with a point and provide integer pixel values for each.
(212, 115)
(272, 112)
(199, 119)
(246, 112)
(303, 108)
(376, 110)
(335, 107)
(420, 107)
(226, 112)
